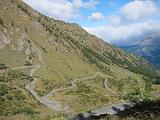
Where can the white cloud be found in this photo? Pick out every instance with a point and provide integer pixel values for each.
(60, 9)
(139, 9)
(96, 16)
(114, 19)
(77, 3)
(124, 33)
(133, 20)
(81, 4)
(90, 3)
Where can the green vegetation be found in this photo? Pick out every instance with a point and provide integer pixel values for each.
(18, 75)
(24, 9)
(45, 86)
(3, 66)
(97, 59)
(138, 94)
(74, 42)
(82, 88)
(157, 80)
(87, 95)
(139, 65)
(16, 101)
(120, 86)
(88, 52)
(13, 99)
(1, 22)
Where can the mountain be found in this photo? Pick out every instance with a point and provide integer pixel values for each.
(148, 47)
(50, 69)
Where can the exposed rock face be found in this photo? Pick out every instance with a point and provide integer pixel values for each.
(4, 39)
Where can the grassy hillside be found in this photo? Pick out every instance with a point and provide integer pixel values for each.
(16, 102)
(26, 33)
(65, 52)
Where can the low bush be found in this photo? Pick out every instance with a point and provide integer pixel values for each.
(3, 66)
(1, 22)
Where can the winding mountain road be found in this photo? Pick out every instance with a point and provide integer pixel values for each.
(106, 86)
(55, 105)
(73, 84)
(52, 104)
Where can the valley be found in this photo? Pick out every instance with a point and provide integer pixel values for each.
(147, 47)
(53, 70)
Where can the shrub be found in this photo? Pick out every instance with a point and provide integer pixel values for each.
(139, 95)
(28, 63)
(96, 58)
(26, 110)
(24, 9)
(19, 75)
(82, 88)
(139, 65)
(3, 66)
(1, 22)
(3, 89)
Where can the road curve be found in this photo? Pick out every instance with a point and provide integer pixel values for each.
(106, 86)
(54, 105)
(73, 84)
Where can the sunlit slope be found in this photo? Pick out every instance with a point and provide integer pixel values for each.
(65, 52)
(27, 36)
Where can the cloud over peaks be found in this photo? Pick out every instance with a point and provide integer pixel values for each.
(132, 20)
(123, 34)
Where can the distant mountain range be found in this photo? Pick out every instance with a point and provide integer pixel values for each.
(148, 47)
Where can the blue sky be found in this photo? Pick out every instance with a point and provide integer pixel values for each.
(115, 21)
(106, 7)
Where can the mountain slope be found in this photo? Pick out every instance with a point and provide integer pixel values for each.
(148, 48)
(67, 56)
(24, 33)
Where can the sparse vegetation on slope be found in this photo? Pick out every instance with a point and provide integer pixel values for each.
(3, 66)
(65, 52)
(16, 102)
(13, 99)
